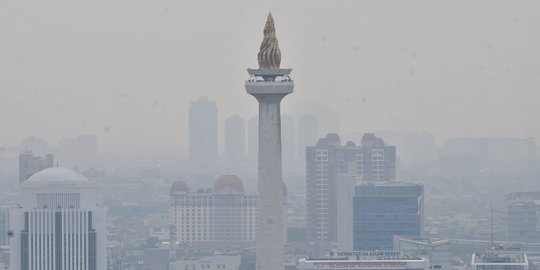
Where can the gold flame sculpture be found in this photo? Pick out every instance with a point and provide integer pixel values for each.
(269, 55)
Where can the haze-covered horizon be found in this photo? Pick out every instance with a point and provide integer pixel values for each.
(127, 71)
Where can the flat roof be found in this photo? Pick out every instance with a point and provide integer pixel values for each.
(499, 258)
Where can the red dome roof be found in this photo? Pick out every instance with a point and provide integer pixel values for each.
(179, 186)
(231, 182)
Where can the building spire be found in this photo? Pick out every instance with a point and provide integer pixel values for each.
(269, 55)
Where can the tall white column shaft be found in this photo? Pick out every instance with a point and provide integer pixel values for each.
(270, 194)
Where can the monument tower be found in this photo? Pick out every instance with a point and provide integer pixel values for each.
(269, 84)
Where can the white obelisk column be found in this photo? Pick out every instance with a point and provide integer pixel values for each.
(269, 84)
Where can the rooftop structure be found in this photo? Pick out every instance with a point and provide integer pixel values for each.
(497, 260)
(364, 260)
(438, 251)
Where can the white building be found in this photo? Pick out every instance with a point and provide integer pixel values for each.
(364, 260)
(345, 192)
(59, 224)
(225, 213)
(497, 260)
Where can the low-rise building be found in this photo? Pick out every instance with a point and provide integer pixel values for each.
(497, 260)
(213, 262)
(365, 260)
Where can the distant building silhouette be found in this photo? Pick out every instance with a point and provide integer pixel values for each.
(235, 139)
(288, 139)
(30, 164)
(37, 146)
(469, 156)
(80, 151)
(308, 133)
(372, 161)
(382, 210)
(203, 134)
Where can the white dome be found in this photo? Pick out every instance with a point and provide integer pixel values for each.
(56, 175)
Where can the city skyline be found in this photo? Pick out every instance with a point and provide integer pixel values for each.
(437, 83)
(130, 142)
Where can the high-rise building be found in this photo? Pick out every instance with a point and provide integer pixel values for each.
(269, 84)
(321, 171)
(382, 210)
(222, 214)
(372, 161)
(345, 185)
(378, 160)
(37, 146)
(235, 139)
(203, 134)
(30, 164)
(60, 223)
(308, 133)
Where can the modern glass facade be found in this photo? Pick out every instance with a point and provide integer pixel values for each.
(382, 210)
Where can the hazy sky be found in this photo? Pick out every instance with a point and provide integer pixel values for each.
(126, 70)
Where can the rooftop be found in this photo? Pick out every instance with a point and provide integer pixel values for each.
(366, 255)
(56, 175)
(499, 258)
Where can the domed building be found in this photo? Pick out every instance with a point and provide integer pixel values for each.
(179, 187)
(229, 184)
(224, 214)
(59, 217)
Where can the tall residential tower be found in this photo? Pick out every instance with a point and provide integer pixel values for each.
(373, 160)
(269, 84)
(203, 145)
